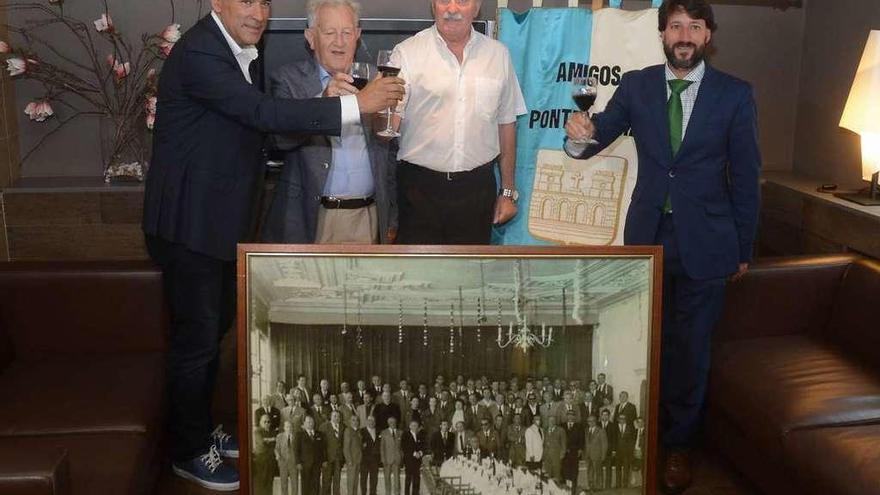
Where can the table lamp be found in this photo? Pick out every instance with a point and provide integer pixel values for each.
(862, 116)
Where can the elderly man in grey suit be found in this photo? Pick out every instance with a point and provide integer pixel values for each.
(285, 454)
(332, 189)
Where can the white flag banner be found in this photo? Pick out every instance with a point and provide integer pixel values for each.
(586, 201)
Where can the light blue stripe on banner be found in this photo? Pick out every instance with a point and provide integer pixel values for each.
(617, 3)
(547, 46)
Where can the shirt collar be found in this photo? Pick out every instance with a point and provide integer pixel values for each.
(472, 40)
(695, 75)
(249, 51)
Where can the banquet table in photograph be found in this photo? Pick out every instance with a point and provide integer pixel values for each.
(491, 477)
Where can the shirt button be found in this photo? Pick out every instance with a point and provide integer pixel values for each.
(672, 174)
(326, 166)
(315, 123)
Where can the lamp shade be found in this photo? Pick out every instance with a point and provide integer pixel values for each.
(863, 105)
(862, 111)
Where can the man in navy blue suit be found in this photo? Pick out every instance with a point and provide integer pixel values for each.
(199, 202)
(696, 133)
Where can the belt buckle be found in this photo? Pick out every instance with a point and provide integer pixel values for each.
(336, 200)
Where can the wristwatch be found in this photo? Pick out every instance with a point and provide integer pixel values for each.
(512, 194)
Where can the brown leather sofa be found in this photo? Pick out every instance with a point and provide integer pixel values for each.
(81, 377)
(794, 393)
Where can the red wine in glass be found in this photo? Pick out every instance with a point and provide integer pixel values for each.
(360, 82)
(389, 71)
(584, 101)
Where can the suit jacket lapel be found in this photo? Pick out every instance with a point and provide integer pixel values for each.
(707, 98)
(208, 23)
(656, 91)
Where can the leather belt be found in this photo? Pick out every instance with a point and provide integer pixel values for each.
(332, 203)
(451, 176)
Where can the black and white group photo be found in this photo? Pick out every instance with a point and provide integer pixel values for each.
(374, 375)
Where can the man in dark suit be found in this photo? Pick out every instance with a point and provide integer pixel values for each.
(697, 195)
(487, 439)
(624, 448)
(273, 413)
(442, 444)
(625, 408)
(412, 445)
(331, 190)
(574, 444)
(352, 450)
(611, 441)
(309, 451)
(386, 409)
(199, 201)
(588, 407)
(370, 441)
(331, 473)
(320, 412)
(604, 389)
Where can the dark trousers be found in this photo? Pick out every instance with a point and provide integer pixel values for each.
(369, 478)
(690, 310)
(201, 296)
(331, 477)
(439, 208)
(311, 479)
(413, 479)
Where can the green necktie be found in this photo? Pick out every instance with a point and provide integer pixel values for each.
(676, 116)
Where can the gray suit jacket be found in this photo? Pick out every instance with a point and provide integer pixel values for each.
(293, 214)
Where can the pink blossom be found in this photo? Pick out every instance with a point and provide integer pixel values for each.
(111, 60)
(151, 74)
(151, 120)
(39, 110)
(121, 70)
(166, 47)
(16, 66)
(4, 47)
(150, 106)
(171, 33)
(105, 23)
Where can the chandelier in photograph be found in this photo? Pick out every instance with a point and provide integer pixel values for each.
(521, 335)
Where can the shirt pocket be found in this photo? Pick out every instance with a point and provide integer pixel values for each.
(487, 97)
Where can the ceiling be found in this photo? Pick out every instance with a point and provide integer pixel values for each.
(376, 290)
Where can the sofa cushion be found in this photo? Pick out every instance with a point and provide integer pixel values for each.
(33, 471)
(86, 394)
(101, 463)
(840, 460)
(855, 319)
(771, 386)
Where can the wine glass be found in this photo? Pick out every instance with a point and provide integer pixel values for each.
(584, 91)
(360, 72)
(388, 68)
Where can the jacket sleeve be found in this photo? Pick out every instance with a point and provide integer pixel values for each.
(744, 168)
(217, 83)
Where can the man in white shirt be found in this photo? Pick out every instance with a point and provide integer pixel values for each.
(534, 437)
(459, 121)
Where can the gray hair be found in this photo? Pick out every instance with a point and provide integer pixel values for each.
(315, 5)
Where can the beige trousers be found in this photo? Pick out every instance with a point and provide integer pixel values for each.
(356, 226)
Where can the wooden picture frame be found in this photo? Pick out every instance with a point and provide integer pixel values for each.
(412, 312)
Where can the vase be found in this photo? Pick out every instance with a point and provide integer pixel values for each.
(123, 148)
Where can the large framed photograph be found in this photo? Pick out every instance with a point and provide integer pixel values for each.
(448, 369)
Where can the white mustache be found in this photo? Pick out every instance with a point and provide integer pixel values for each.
(452, 17)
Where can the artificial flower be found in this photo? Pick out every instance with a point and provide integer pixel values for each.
(105, 23)
(151, 104)
(4, 47)
(121, 70)
(39, 110)
(171, 33)
(151, 120)
(16, 66)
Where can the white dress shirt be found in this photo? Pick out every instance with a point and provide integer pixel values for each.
(451, 112)
(244, 57)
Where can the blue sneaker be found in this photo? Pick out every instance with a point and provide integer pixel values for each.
(226, 445)
(208, 471)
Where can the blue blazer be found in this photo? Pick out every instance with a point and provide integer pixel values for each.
(207, 164)
(713, 179)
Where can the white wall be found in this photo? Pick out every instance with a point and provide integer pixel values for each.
(623, 328)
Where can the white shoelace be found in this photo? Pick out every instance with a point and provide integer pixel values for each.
(220, 435)
(212, 459)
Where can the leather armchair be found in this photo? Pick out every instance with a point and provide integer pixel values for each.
(794, 393)
(82, 350)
